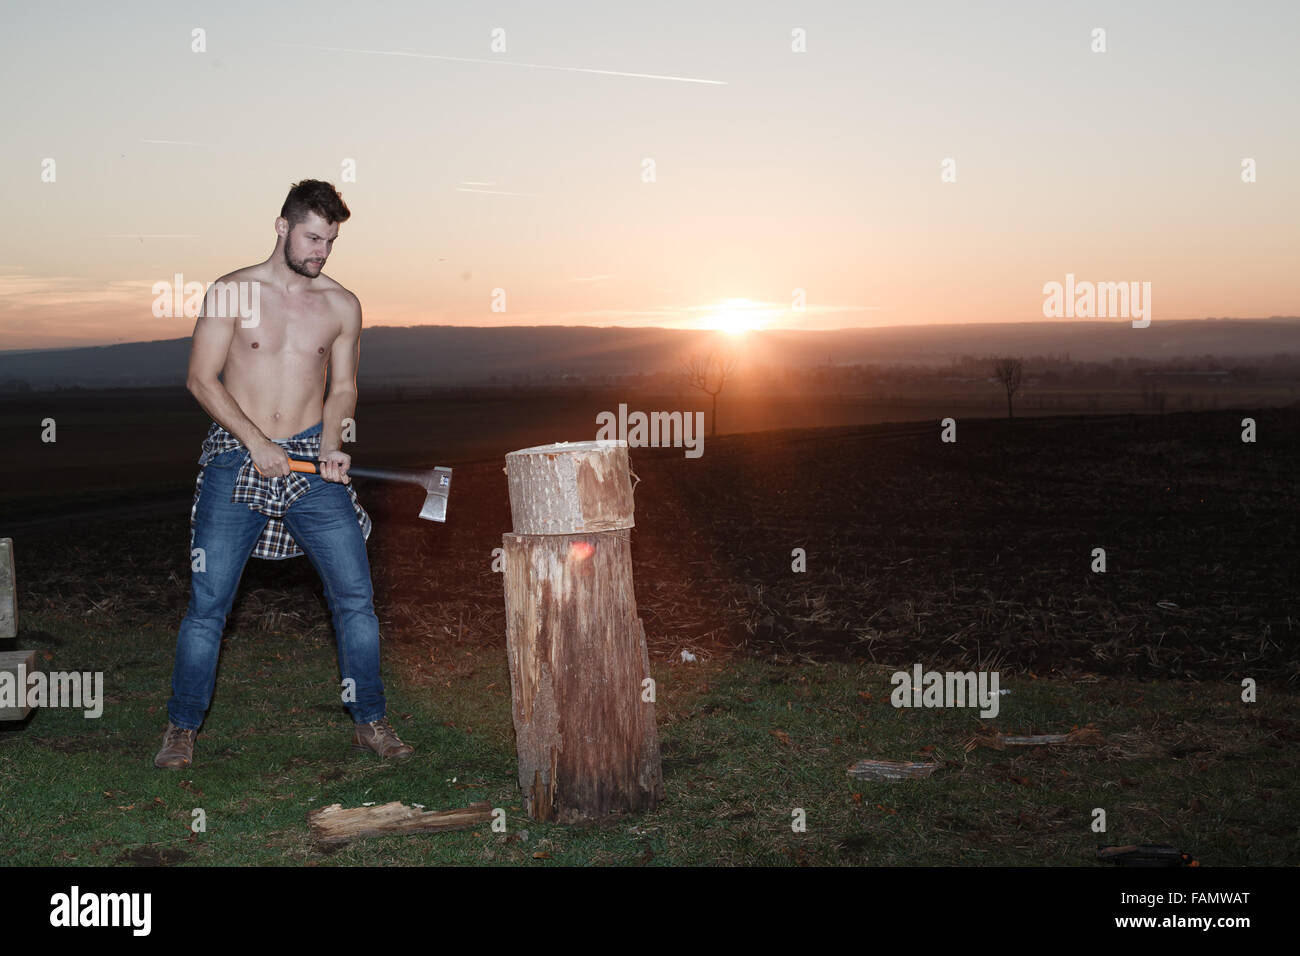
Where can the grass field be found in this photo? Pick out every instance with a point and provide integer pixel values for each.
(744, 744)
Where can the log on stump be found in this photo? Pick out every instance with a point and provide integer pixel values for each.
(584, 718)
(334, 824)
(570, 487)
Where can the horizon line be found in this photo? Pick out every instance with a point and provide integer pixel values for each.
(662, 328)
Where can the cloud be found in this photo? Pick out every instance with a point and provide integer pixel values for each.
(531, 66)
(57, 311)
(23, 291)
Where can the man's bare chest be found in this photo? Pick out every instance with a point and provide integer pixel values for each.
(287, 336)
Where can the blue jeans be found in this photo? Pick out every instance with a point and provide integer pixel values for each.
(324, 524)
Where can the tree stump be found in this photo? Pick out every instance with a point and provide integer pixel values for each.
(583, 703)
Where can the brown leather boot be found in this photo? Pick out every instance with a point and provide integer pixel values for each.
(379, 737)
(177, 749)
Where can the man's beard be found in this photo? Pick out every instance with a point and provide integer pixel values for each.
(300, 267)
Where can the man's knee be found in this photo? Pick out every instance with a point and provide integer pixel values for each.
(212, 593)
(355, 596)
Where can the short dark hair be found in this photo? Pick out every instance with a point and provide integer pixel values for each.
(313, 195)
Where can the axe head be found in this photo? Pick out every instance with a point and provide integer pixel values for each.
(435, 502)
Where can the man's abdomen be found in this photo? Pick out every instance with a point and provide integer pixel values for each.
(281, 412)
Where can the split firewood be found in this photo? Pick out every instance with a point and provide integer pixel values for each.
(890, 769)
(334, 824)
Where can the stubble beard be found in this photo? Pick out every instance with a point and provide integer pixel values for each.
(303, 266)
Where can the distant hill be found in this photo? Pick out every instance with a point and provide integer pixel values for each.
(454, 355)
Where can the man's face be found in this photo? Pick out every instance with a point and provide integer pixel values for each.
(308, 245)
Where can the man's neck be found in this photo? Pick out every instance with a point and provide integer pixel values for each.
(284, 278)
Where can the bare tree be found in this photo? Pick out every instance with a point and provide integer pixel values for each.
(1009, 372)
(709, 373)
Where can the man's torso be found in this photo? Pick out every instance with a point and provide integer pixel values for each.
(276, 369)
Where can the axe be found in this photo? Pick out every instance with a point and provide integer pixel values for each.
(437, 483)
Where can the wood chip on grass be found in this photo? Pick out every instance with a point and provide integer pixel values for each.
(1079, 737)
(891, 769)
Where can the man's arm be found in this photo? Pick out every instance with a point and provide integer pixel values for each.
(341, 402)
(213, 334)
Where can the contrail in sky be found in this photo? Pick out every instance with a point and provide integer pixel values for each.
(496, 192)
(534, 66)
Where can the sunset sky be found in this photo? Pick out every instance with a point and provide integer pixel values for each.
(774, 170)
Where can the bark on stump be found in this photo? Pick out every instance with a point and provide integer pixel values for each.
(585, 735)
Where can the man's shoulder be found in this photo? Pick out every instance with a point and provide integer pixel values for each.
(341, 300)
(251, 273)
(227, 296)
(333, 287)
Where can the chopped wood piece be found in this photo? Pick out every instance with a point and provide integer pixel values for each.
(16, 665)
(8, 590)
(334, 824)
(891, 769)
(1084, 737)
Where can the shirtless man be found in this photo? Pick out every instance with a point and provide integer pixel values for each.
(261, 376)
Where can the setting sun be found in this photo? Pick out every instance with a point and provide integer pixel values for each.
(735, 316)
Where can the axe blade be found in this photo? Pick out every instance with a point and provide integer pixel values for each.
(436, 484)
(435, 502)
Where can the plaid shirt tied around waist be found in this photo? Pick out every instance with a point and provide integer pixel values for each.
(271, 496)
